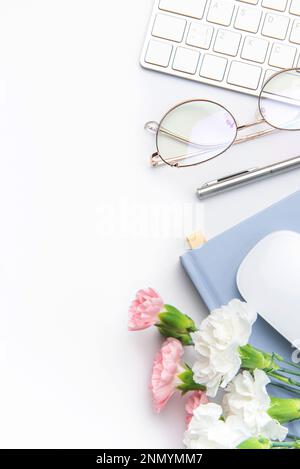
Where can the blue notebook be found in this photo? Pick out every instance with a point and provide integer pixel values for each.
(213, 268)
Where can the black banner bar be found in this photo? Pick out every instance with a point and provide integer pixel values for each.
(138, 458)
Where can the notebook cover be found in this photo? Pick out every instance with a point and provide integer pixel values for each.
(213, 268)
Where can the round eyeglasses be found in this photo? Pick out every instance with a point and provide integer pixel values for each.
(199, 130)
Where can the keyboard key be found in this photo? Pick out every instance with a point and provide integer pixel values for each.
(244, 75)
(275, 26)
(295, 34)
(200, 35)
(192, 8)
(159, 53)
(169, 27)
(233, 43)
(220, 12)
(295, 7)
(248, 19)
(186, 60)
(227, 42)
(255, 49)
(269, 73)
(279, 5)
(213, 67)
(282, 56)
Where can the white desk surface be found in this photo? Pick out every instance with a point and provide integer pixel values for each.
(83, 222)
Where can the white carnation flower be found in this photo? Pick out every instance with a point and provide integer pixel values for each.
(247, 398)
(217, 344)
(207, 431)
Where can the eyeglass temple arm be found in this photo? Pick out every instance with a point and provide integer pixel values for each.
(153, 126)
(254, 135)
(174, 161)
(251, 124)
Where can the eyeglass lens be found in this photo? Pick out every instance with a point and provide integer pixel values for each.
(280, 100)
(195, 132)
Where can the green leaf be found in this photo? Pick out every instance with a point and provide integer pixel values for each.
(185, 388)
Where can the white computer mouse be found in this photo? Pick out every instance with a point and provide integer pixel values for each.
(269, 279)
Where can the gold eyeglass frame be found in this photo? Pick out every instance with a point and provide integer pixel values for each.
(152, 126)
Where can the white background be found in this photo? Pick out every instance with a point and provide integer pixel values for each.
(77, 198)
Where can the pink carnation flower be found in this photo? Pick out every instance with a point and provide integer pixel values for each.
(195, 400)
(144, 310)
(167, 365)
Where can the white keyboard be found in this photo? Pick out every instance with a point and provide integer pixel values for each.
(234, 44)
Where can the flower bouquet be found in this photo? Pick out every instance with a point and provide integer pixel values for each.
(228, 405)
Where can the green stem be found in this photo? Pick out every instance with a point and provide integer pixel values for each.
(285, 444)
(290, 372)
(286, 388)
(293, 437)
(290, 363)
(283, 378)
(263, 443)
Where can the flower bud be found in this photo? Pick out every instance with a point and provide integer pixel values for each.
(187, 382)
(173, 323)
(256, 443)
(253, 358)
(284, 410)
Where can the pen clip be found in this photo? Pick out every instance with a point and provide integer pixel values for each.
(230, 176)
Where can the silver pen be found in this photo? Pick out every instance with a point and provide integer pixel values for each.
(245, 177)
